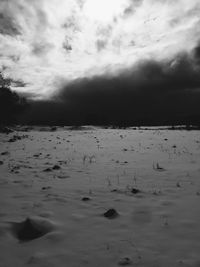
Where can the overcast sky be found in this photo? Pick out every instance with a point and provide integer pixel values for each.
(44, 43)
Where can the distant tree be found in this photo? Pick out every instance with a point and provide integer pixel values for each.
(11, 104)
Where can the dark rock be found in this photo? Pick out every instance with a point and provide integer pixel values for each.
(37, 155)
(63, 176)
(17, 137)
(5, 153)
(125, 261)
(114, 190)
(46, 187)
(17, 182)
(135, 191)
(1, 162)
(48, 170)
(111, 214)
(86, 199)
(30, 229)
(56, 167)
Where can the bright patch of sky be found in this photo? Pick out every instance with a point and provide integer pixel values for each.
(45, 42)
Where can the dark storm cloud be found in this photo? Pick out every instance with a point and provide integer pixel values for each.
(150, 93)
(196, 54)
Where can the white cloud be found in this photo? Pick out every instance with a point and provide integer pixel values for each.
(75, 38)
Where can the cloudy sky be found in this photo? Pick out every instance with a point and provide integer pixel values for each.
(45, 43)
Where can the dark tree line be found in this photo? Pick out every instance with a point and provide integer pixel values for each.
(11, 104)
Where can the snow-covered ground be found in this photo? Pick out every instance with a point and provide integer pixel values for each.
(65, 180)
